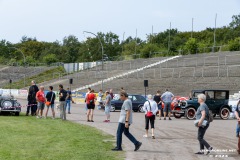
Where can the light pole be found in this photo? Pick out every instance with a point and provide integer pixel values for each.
(101, 46)
(214, 35)
(123, 41)
(169, 38)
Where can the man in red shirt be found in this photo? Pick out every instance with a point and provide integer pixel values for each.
(40, 97)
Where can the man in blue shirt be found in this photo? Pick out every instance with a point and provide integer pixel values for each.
(68, 101)
(167, 98)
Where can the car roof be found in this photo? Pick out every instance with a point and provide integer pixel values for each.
(201, 90)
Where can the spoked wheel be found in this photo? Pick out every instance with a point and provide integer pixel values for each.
(177, 115)
(224, 113)
(191, 113)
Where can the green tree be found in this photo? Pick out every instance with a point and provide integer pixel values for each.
(191, 46)
(234, 45)
(148, 50)
(51, 58)
(235, 21)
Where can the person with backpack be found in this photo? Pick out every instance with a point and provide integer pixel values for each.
(62, 102)
(202, 117)
(50, 102)
(150, 107)
(91, 97)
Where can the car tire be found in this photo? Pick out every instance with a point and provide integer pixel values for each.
(224, 113)
(190, 113)
(140, 109)
(177, 115)
(113, 109)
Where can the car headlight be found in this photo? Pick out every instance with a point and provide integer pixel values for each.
(6, 104)
(183, 103)
(16, 104)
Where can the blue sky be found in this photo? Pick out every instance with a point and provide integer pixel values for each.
(50, 20)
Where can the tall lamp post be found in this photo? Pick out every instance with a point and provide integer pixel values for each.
(101, 46)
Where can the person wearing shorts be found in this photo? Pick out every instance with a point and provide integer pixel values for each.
(107, 106)
(91, 97)
(40, 97)
(167, 98)
(50, 98)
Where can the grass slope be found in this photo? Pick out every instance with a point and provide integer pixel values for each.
(28, 138)
(41, 77)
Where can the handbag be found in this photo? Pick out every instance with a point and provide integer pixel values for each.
(149, 113)
(49, 103)
(204, 123)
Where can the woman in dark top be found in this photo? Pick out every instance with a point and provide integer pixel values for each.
(50, 98)
(157, 99)
(201, 115)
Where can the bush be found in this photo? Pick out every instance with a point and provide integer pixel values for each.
(234, 45)
(51, 58)
(191, 46)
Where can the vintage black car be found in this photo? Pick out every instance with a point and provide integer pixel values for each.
(9, 105)
(216, 100)
(137, 103)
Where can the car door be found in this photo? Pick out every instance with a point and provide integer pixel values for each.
(210, 100)
(219, 100)
(118, 104)
(134, 102)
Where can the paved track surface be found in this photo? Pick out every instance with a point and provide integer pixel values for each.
(175, 140)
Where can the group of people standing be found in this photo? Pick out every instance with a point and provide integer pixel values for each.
(37, 100)
(91, 99)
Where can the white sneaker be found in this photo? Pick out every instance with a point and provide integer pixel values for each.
(37, 117)
(145, 136)
(53, 118)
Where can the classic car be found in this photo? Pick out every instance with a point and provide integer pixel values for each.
(9, 105)
(216, 100)
(137, 102)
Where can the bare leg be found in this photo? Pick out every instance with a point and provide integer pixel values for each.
(146, 132)
(88, 114)
(46, 112)
(160, 113)
(152, 131)
(53, 113)
(91, 114)
(165, 113)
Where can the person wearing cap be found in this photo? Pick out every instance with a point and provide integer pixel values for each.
(167, 98)
(150, 105)
(107, 106)
(124, 123)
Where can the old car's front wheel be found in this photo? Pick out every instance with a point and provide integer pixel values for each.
(224, 113)
(191, 113)
(177, 115)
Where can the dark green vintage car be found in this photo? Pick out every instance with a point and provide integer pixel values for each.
(216, 100)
